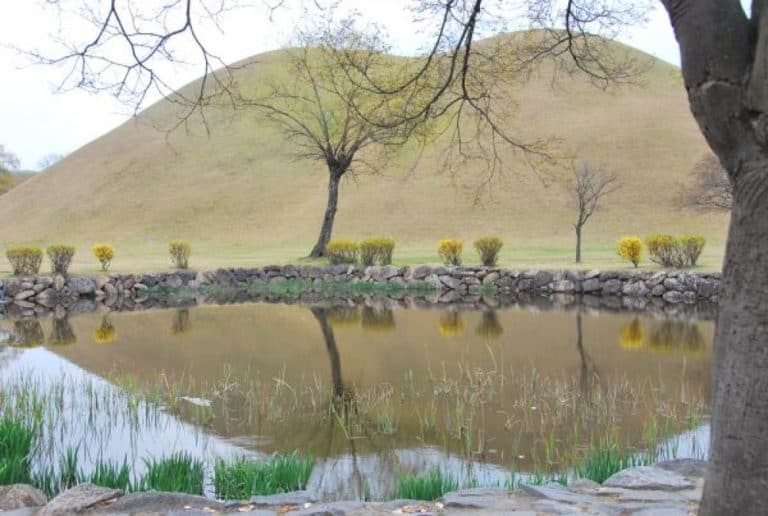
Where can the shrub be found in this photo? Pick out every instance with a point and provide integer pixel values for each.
(60, 256)
(25, 260)
(630, 249)
(376, 250)
(341, 251)
(450, 250)
(692, 246)
(104, 253)
(665, 250)
(488, 248)
(180, 251)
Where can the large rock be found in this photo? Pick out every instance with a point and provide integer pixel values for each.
(563, 286)
(421, 272)
(158, 502)
(82, 286)
(672, 296)
(673, 284)
(18, 496)
(542, 279)
(450, 282)
(80, 498)
(24, 294)
(686, 467)
(591, 285)
(478, 498)
(612, 287)
(649, 478)
(635, 289)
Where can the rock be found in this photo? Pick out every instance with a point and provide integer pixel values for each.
(397, 281)
(608, 275)
(79, 498)
(58, 282)
(331, 509)
(636, 289)
(39, 287)
(173, 281)
(491, 278)
(17, 496)
(686, 467)
(542, 279)
(101, 281)
(422, 272)
(673, 284)
(658, 290)
(662, 511)
(672, 296)
(612, 287)
(159, 502)
(24, 294)
(594, 273)
(557, 493)
(450, 282)
(82, 286)
(706, 289)
(591, 285)
(478, 498)
(563, 286)
(110, 290)
(649, 478)
(292, 498)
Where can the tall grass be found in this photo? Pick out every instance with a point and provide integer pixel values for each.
(111, 475)
(243, 477)
(608, 458)
(178, 473)
(16, 440)
(426, 486)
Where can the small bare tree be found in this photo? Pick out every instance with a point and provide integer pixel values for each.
(330, 117)
(8, 163)
(711, 188)
(589, 186)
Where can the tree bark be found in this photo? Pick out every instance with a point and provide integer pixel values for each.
(334, 178)
(737, 478)
(578, 244)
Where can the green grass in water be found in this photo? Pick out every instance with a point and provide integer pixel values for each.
(243, 477)
(179, 473)
(16, 439)
(607, 459)
(111, 475)
(427, 486)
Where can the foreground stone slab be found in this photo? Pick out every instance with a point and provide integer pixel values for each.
(649, 478)
(298, 498)
(80, 498)
(693, 468)
(18, 496)
(478, 498)
(163, 502)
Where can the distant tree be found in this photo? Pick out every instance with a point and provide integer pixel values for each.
(48, 160)
(8, 163)
(328, 116)
(711, 188)
(589, 185)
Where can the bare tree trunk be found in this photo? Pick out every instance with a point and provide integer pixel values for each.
(334, 178)
(578, 244)
(737, 478)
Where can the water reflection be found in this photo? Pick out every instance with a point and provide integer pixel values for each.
(181, 322)
(489, 326)
(451, 324)
(28, 333)
(378, 318)
(667, 336)
(106, 332)
(62, 333)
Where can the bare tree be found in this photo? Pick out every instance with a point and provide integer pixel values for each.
(49, 159)
(8, 163)
(330, 118)
(711, 188)
(589, 186)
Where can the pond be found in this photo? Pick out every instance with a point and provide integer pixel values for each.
(370, 390)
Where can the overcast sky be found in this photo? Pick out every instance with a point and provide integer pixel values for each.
(36, 121)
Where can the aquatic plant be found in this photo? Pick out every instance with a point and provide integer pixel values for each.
(426, 486)
(179, 473)
(242, 477)
(16, 440)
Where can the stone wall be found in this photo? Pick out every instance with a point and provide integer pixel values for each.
(444, 284)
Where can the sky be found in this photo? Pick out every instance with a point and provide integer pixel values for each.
(37, 120)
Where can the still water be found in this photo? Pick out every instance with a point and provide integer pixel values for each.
(369, 391)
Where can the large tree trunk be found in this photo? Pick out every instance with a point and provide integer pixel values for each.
(321, 314)
(334, 178)
(737, 479)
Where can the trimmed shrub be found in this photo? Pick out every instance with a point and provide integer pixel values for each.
(376, 250)
(692, 246)
(104, 253)
(60, 256)
(341, 251)
(630, 249)
(450, 250)
(180, 251)
(25, 260)
(665, 250)
(488, 248)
